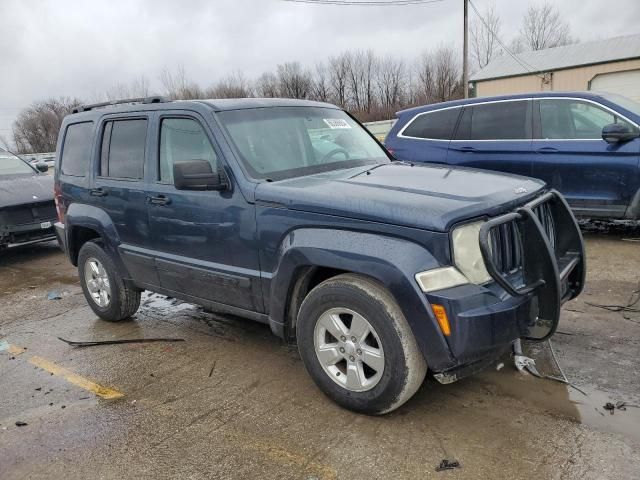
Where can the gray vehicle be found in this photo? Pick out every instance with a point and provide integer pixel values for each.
(27, 208)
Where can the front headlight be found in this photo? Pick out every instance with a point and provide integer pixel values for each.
(440, 278)
(466, 252)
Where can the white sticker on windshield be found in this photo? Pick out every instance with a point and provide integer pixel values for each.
(336, 123)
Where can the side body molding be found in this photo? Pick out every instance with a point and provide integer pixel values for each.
(391, 261)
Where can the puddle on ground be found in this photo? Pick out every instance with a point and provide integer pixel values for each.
(563, 401)
(592, 412)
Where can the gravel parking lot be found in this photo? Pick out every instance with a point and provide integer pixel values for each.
(232, 401)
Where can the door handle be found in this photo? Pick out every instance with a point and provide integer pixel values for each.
(98, 192)
(547, 150)
(158, 200)
(467, 149)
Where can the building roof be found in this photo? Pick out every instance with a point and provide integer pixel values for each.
(539, 61)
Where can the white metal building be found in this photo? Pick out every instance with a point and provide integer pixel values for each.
(611, 65)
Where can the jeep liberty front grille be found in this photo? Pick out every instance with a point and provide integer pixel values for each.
(506, 241)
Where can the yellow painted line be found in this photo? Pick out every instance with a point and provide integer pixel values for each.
(15, 350)
(74, 378)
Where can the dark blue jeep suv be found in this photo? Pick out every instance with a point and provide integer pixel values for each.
(290, 213)
(583, 144)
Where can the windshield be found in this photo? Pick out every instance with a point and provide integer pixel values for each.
(284, 142)
(624, 102)
(12, 165)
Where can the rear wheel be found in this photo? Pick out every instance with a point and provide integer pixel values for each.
(357, 345)
(106, 292)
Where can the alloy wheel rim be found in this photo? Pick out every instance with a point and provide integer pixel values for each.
(349, 349)
(97, 282)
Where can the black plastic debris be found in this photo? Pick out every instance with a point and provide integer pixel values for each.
(117, 342)
(611, 407)
(447, 465)
(20, 423)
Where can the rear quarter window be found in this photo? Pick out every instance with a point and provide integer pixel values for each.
(76, 149)
(437, 125)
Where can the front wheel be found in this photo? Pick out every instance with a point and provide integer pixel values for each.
(357, 346)
(107, 294)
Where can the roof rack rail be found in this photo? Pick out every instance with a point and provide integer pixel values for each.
(152, 99)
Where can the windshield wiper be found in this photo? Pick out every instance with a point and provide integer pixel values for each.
(368, 170)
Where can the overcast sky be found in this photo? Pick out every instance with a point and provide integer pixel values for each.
(82, 48)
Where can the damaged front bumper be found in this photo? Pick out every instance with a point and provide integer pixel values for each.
(18, 235)
(522, 301)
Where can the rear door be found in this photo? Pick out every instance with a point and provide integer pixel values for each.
(596, 177)
(119, 189)
(204, 241)
(494, 136)
(425, 138)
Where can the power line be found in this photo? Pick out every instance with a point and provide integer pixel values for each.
(366, 3)
(521, 62)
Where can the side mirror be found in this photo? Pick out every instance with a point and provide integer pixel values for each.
(617, 132)
(42, 167)
(198, 175)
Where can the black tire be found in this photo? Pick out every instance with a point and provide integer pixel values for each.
(404, 365)
(124, 300)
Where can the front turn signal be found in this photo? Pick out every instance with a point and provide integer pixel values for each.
(441, 315)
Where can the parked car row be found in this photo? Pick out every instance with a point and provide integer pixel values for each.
(585, 145)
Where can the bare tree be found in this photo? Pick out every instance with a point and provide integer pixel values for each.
(234, 85)
(293, 80)
(447, 81)
(542, 27)
(36, 128)
(267, 85)
(320, 86)
(391, 82)
(484, 46)
(178, 87)
(338, 73)
(361, 73)
(424, 87)
(139, 87)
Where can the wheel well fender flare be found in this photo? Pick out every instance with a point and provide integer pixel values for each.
(81, 218)
(391, 261)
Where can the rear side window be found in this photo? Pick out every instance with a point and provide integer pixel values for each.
(76, 149)
(574, 119)
(495, 121)
(123, 147)
(436, 125)
(183, 139)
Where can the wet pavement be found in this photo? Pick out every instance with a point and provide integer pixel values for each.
(232, 401)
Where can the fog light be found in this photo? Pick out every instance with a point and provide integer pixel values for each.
(441, 316)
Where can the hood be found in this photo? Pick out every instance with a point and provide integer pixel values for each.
(20, 189)
(431, 197)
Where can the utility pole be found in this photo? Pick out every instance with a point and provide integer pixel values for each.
(465, 51)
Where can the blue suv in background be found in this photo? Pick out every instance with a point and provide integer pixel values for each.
(585, 145)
